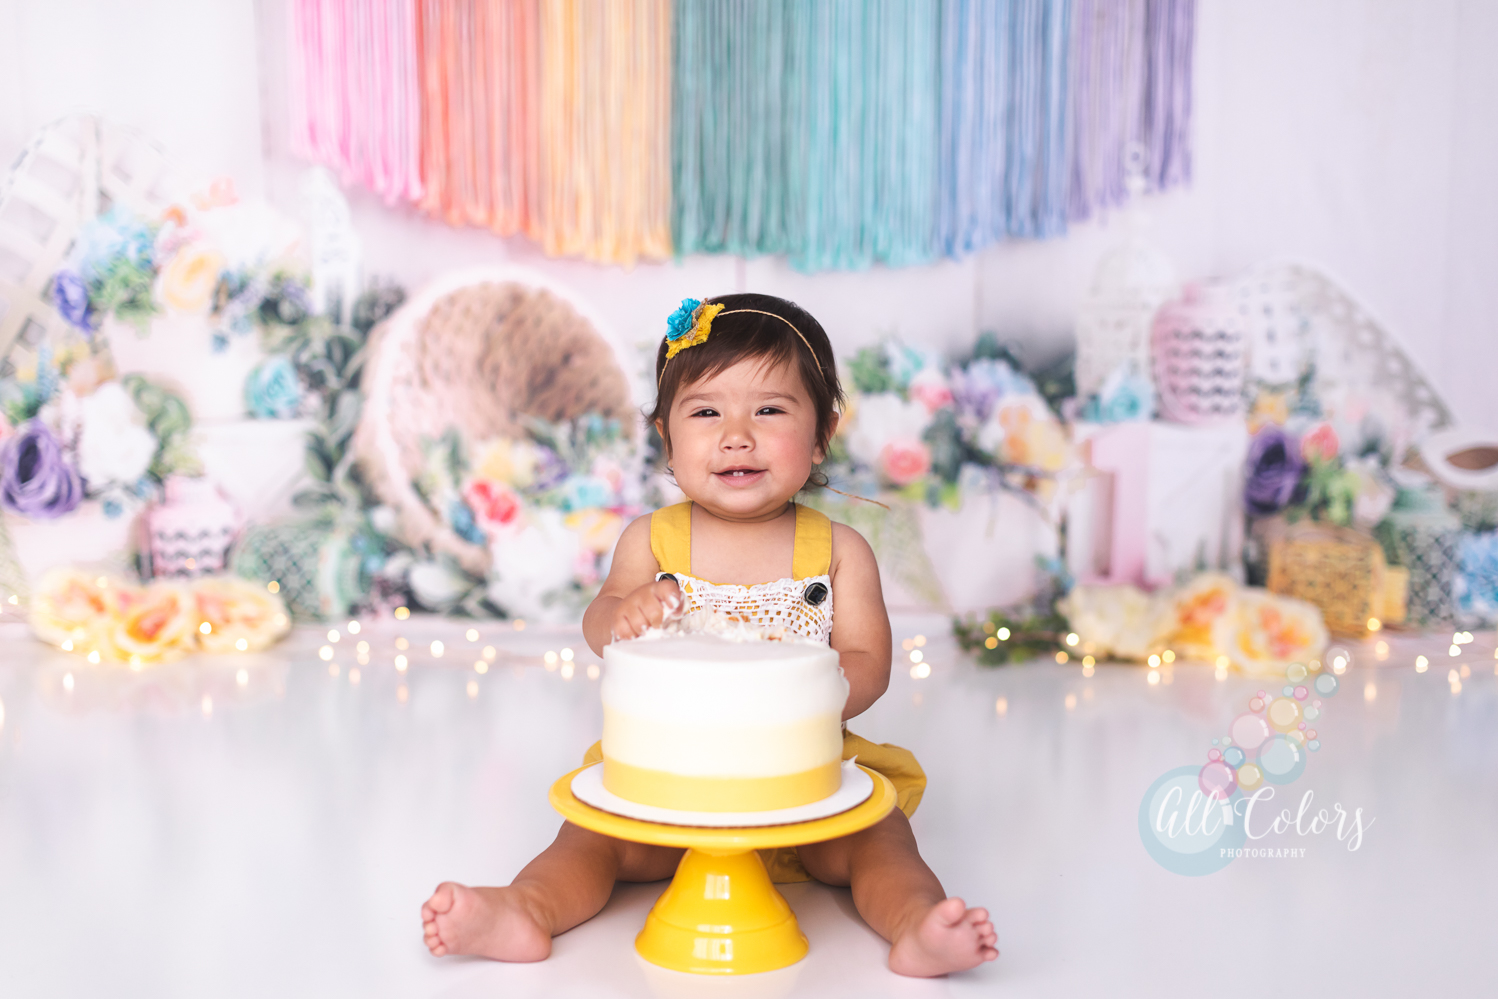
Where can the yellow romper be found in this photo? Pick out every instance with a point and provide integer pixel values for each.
(801, 604)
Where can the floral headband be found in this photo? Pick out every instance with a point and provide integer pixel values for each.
(691, 323)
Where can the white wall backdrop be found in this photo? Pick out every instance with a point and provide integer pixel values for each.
(1356, 135)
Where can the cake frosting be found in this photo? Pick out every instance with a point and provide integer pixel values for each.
(725, 720)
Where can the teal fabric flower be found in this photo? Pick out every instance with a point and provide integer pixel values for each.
(273, 391)
(582, 492)
(680, 323)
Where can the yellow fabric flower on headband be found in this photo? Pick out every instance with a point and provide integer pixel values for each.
(689, 325)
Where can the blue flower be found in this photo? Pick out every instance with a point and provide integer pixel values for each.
(680, 323)
(1126, 395)
(273, 391)
(461, 517)
(70, 295)
(905, 363)
(582, 492)
(111, 236)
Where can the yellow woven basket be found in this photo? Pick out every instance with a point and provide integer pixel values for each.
(1341, 571)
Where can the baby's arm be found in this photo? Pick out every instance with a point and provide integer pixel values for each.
(630, 600)
(860, 624)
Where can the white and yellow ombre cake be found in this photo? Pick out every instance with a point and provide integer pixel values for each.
(715, 723)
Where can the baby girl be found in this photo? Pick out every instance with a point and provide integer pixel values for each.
(747, 400)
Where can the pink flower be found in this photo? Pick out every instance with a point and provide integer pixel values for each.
(931, 390)
(903, 460)
(494, 504)
(585, 567)
(1320, 444)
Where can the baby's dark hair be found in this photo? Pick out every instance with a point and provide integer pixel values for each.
(737, 336)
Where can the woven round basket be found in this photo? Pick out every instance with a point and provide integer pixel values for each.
(477, 355)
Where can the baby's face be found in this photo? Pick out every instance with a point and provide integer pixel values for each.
(744, 441)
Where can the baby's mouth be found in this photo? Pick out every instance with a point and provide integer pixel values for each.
(739, 474)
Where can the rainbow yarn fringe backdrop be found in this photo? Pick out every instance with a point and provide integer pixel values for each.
(840, 133)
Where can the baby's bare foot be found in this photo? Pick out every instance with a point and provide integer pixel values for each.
(487, 922)
(947, 937)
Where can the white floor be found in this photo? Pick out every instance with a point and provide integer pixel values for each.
(177, 833)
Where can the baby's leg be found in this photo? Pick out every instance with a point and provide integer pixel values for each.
(896, 893)
(566, 885)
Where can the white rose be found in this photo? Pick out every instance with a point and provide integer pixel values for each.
(532, 564)
(881, 418)
(437, 585)
(114, 444)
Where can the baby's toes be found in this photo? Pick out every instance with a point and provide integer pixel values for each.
(977, 916)
(441, 901)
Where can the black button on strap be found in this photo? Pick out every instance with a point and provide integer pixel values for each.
(666, 575)
(815, 593)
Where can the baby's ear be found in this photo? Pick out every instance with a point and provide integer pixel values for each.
(820, 454)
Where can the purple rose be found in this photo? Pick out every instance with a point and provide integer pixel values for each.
(70, 295)
(1274, 470)
(34, 479)
(550, 468)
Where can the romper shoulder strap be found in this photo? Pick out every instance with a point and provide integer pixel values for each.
(813, 552)
(671, 538)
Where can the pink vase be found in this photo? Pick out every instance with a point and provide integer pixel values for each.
(191, 530)
(1200, 350)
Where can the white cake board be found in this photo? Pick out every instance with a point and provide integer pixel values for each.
(855, 789)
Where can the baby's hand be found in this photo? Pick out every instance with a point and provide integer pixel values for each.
(647, 607)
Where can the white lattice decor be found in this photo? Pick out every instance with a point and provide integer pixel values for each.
(1299, 319)
(70, 172)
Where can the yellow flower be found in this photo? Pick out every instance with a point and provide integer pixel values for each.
(1048, 446)
(1267, 632)
(238, 610)
(72, 605)
(507, 461)
(699, 333)
(1195, 610)
(1269, 407)
(187, 283)
(597, 528)
(154, 624)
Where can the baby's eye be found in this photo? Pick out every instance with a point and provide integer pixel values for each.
(769, 409)
(706, 412)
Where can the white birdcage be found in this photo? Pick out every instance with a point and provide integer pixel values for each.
(1130, 283)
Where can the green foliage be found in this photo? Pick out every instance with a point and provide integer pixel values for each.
(948, 451)
(1057, 381)
(330, 362)
(22, 400)
(1029, 635)
(870, 371)
(1330, 492)
(168, 417)
(125, 290)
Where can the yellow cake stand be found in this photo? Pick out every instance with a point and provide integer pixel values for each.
(721, 915)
